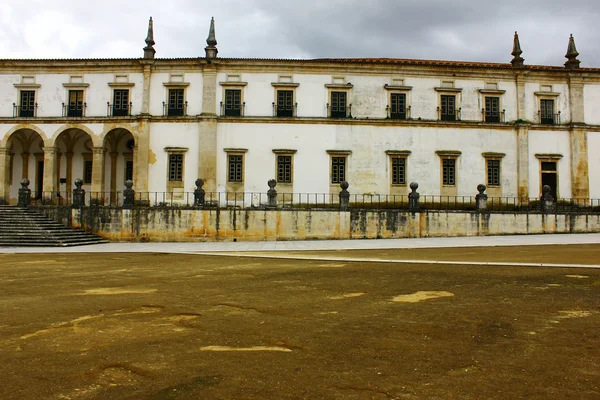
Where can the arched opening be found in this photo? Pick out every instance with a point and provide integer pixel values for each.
(119, 144)
(25, 160)
(75, 159)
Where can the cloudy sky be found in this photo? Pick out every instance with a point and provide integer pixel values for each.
(470, 30)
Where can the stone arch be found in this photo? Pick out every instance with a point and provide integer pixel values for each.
(25, 144)
(74, 158)
(19, 127)
(119, 144)
(70, 127)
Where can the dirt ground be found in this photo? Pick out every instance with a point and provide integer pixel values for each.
(174, 326)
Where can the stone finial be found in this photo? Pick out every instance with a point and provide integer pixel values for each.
(272, 192)
(128, 194)
(24, 194)
(78, 194)
(481, 197)
(211, 41)
(149, 49)
(344, 196)
(517, 60)
(572, 61)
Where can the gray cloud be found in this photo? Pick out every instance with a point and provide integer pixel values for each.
(426, 29)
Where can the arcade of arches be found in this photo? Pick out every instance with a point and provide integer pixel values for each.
(52, 165)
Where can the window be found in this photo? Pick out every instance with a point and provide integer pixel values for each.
(547, 112)
(448, 109)
(492, 109)
(120, 107)
(233, 105)
(448, 171)
(27, 104)
(284, 169)
(398, 106)
(176, 106)
(493, 172)
(175, 167)
(338, 169)
(87, 171)
(285, 103)
(76, 106)
(235, 168)
(398, 170)
(338, 105)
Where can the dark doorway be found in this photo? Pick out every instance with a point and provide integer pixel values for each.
(549, 177)
(39, 179)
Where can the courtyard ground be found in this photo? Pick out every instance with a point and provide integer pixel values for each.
(185, 326)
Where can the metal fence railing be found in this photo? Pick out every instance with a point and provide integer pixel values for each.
(307, 201)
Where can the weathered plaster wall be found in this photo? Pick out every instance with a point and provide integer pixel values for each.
(594, 164)
(167, 224)
(550, 142)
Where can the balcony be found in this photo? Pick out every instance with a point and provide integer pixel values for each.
(397, 112)
(339, 111)
(118, 110)
(233, 110)
(25, 111)
(546, 118)
(74, 110)
(493, 116)
(285, 110)
(175, 109)
(448, 114)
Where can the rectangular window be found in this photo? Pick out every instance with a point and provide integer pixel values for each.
(285, 103)
(120, 106)
(398, 106)
(27, 104)
(87, 171)
(449, 171)
(448, 109)
(129, 170)
(547, 112)
(284, 169)
(176, 106)
(233, 102)
(398, 171)
(75, 106)
(338, 169)
(338, 105)
(175, 167)
(492, 109)
(236, 168)
(493, 172)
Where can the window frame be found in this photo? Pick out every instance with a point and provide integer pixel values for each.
(76, 109)
(118, 112)
(174, 111)
(31, 107)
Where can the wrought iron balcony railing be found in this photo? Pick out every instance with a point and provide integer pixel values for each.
(448, 115)
(339, 112)
(25, 111)
(488, 115)
(397, 113)
(175, 109)
(285, 110)
(74, 109)
(548, 118)
(118, 110)
(233, 110)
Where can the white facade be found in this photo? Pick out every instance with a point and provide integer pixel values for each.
(180, 126)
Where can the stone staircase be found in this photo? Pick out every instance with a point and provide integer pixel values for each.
(21, 227)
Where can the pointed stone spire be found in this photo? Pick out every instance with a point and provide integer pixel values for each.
(517, 60)
(572, 61)
(211, 41)
(149, 50)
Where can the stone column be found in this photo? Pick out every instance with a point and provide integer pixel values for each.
(25, 157)
(576, 100)
(580, 179)
(141, 156)
(4, 175)
(50, 171)
(69, 155)
(57, 176)
(207, 154)
(97, 188)
(523, 161)
(113, 173)
(520, 81)
(146, 93)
